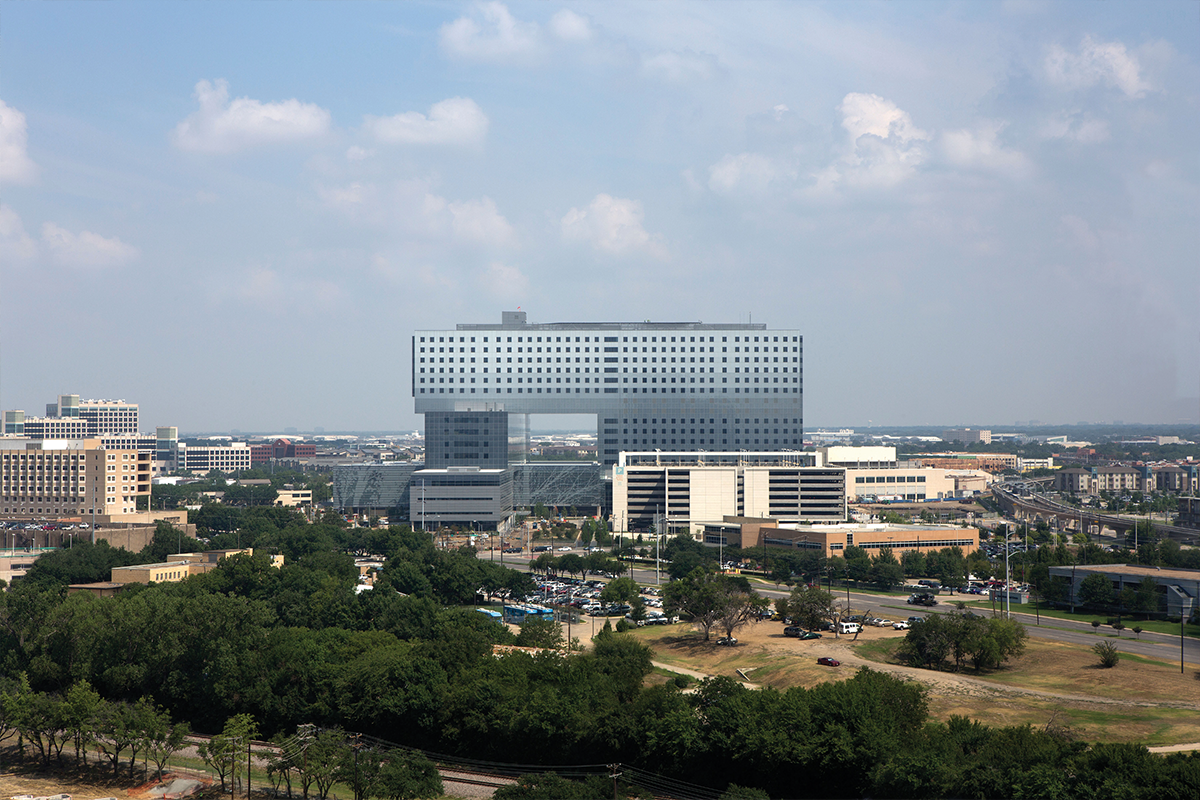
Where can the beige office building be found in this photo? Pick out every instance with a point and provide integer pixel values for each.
(55, 477)
(685, 490)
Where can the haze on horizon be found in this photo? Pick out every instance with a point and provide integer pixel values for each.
(236, 214)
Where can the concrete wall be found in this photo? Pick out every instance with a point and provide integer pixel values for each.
(713, 493)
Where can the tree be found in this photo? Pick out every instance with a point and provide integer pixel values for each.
(572, 564)
(160, 738)
(1146, 596)
(886, 571)
(711, 599)
(408, 775)
(282, 761)
(324, 753)
(1108, 654)
(740, 609)
(913, 562)
(225, 753)
(858, 564)
(781, 572)
(83, 703)
(620, 590)
(808, 606)
(118, 729)
(537, 632)
(1096, 590)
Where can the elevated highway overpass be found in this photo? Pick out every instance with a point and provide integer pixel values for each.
(1032, 507)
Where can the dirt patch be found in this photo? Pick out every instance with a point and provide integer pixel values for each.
(41, 785)
(1141, 700)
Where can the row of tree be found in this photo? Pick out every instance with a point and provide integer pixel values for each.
(596, 563)
(50, 721)
(298, 646)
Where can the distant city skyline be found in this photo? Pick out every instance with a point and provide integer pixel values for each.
(970, 211)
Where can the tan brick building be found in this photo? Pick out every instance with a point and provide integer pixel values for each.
(58, 477)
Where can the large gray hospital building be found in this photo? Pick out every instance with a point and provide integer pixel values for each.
(667, 385)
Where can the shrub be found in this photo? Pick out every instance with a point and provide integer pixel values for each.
(1137, 631)
(1108, 653)
(624, 625)
(1095, 623)
(1118, 626)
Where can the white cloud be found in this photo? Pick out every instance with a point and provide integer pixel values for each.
(221, 126)
(479, 221)
(679, 66)
(490, 33)
(1107, 63)
(15, 243)
(456, 121)
(747, 171)
(980, 149)
(504, 282)
(570, 27)
(411, 209)
(1076, 127)
(871, 114)
(15, 164)
(885, 146)
(85, 249)
(613, 225)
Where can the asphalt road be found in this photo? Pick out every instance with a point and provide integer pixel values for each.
(1154, 645)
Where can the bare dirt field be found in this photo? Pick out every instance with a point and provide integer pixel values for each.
(1141, 700)
(85, 787)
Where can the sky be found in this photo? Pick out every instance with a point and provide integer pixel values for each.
(236, 214)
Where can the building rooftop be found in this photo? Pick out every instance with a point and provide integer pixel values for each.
(610, 326)
(1169, 573)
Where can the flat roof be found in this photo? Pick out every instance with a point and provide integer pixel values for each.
(868, 527)
(611, 326)
(1169, 573)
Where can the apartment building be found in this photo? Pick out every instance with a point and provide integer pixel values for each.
(57, 477)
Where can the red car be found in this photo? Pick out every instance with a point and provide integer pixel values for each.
(825, 661)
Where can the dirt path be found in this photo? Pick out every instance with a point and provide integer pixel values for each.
(1175, 748)
(696, 674)
(767, 638)
(951, 683)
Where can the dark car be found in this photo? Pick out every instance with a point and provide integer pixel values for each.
(807, 635)
(826, 661)
(793, 630)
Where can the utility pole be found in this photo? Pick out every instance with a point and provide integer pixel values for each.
(614, 773)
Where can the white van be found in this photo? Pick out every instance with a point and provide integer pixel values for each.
(849, 627)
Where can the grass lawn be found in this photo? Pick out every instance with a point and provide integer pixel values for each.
(1101, 704)
(1155, 625)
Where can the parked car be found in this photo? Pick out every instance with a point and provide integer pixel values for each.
(900, 626)
(793, 630)
(826, 661)
(884, 623)
(915, 620)
(727, 641)
(809, 635)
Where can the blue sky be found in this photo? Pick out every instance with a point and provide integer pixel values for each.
(235, 214)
